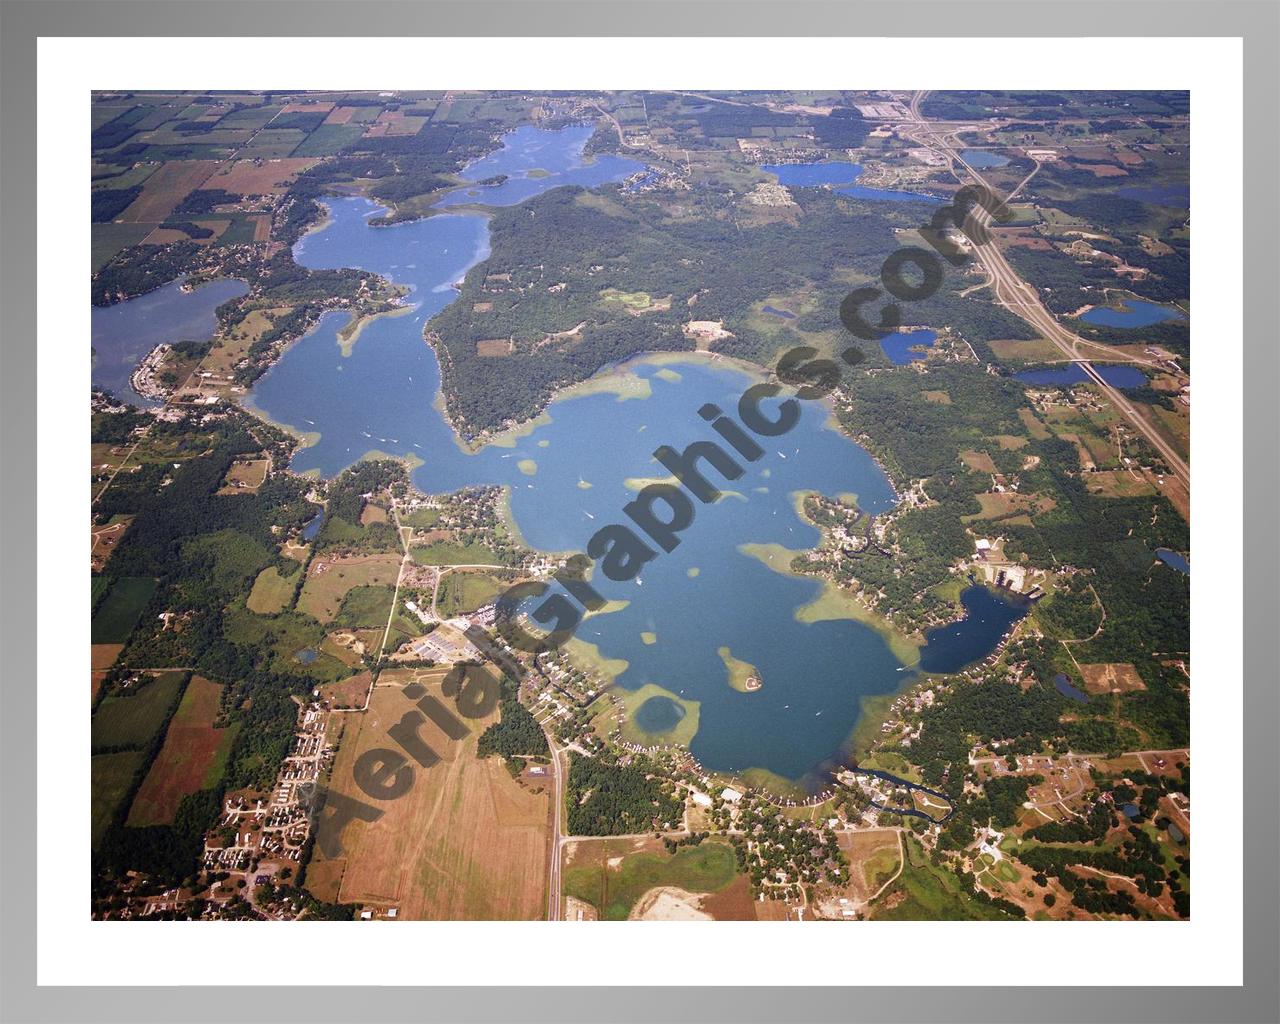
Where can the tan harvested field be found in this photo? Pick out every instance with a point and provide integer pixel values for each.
(1009, 442)
(167, 236)
(245, 476)
(165, 189)
(1118, 483)
(340, 115)
(262, 229)
(873, 857)
(1104, 170)
(466, 842)
(1179, 494)
(260, 177)
(1111, 678)
(732, 903)
(103, 656)
(371, 514)
(1034, 427)
(979, 461)
(998, 504)
(936, 397)
(105, 540)
(350, 692)
(331, 577)
(492, 348)
(308, 107)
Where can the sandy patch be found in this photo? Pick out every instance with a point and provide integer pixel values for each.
(667, 903)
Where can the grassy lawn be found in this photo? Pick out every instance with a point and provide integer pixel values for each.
(422, 518)
(445, 552)
(272, 592)
(466, 591)
(614, 890)
(365, 607)
(880, 866)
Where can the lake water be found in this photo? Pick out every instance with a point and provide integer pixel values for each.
(898, 347)
(786, 314)
(124, 333)
(988, 616)
(1174, 560)
(572, 475)
(1132, 313)
(1064, 376)
(1062, 683)
(841, 175)
(983, 159)
(659, 715)
(536, 160)
(312, 528)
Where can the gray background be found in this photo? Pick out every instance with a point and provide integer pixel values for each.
(1257, 21)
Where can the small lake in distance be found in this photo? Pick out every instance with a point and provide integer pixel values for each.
(899, 347)
(1132, 313)
(842, 176)
(1117, 376)
(983, 159)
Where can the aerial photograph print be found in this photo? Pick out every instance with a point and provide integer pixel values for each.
(640, 506)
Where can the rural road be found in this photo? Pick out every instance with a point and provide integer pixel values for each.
(554, 912)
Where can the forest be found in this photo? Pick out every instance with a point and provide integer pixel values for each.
(606, 797)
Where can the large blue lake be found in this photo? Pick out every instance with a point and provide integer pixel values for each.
(574, 473)
(122, 334)
(534, 161)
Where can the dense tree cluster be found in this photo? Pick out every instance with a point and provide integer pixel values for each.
(606, 797)
(516, 732)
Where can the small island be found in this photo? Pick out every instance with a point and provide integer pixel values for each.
(743, 676)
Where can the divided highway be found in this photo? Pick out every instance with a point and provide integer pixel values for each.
(1021, 298)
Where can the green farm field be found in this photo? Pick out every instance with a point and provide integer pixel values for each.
(111, 775)
(613, 891)
(118, 612)
(133, 721)
(450, 553)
